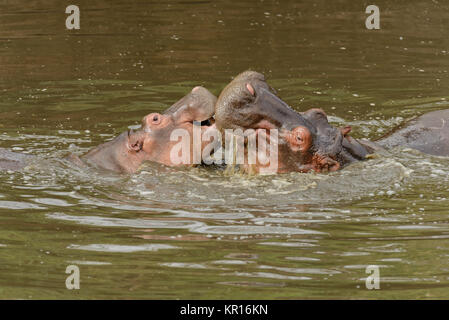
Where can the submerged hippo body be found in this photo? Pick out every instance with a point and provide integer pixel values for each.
(428, 133)
(306, 139)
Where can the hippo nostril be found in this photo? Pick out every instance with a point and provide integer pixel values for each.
(345, 131)
(155, 118)
(325, 163)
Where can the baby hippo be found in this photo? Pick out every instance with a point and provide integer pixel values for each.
(157, 137)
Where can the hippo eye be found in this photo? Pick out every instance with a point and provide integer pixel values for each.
(300, 139)
(152, 119)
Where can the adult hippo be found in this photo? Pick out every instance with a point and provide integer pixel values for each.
(306, 139)
(152, 142)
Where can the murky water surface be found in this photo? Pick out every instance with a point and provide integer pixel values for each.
(199, 233)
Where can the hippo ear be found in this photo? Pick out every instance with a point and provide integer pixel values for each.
(135, 141)
(198, 105)
(250, 88)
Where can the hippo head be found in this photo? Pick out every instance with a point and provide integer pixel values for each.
(306, 140)
(162, 131)
(153, 141)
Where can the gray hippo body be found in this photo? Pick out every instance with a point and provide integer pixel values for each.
(307, 141)
(428, 133)
(12, 160)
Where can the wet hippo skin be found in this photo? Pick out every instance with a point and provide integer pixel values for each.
(428, 133)
(12, 160)
(151, 142)
(307, 142)
(306, 139)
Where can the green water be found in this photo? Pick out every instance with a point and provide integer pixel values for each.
(167, 233)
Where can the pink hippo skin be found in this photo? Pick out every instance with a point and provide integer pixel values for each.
(152, 142)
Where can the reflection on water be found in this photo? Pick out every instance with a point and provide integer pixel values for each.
(119, 248)
(197, 232)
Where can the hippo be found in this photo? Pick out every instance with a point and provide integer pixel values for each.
(13, 161)
(307, 142)
(152, 142)
(428, 133)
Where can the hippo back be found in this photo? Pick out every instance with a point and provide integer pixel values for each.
(428, 133)
(12, 160)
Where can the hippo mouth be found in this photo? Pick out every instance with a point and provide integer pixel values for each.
(343, 152)
(207, 123)
(353, 150)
